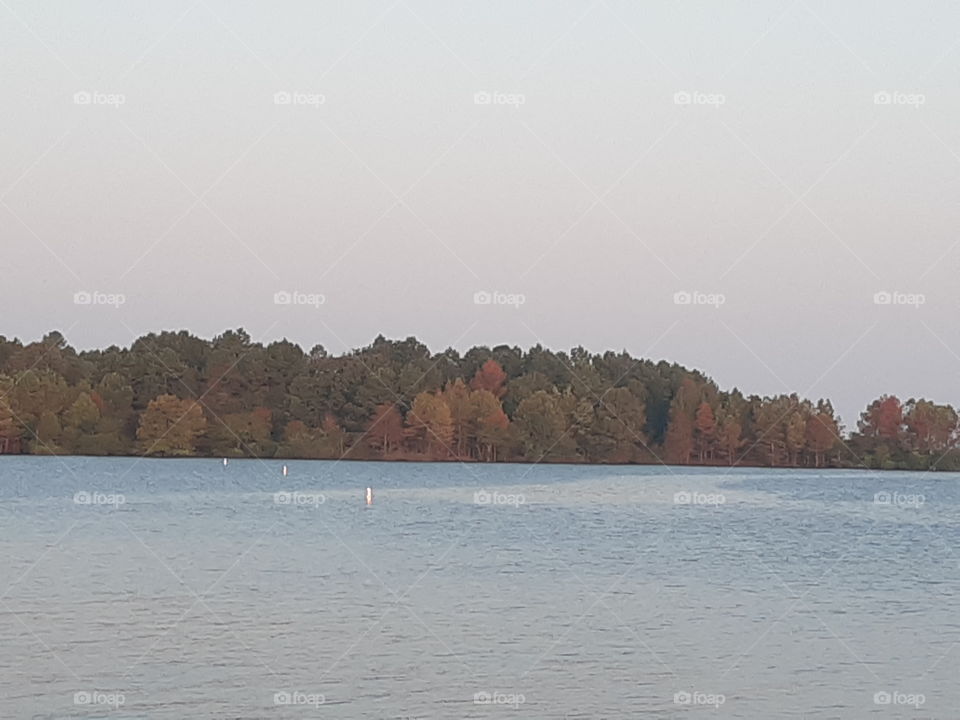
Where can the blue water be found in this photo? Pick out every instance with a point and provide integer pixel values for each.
(186, 589)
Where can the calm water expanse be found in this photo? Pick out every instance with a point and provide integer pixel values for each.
(186, 589)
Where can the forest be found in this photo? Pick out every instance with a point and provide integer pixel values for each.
(174, 394)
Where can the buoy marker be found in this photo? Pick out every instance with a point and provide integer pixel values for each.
(369, 496)
(284, 470)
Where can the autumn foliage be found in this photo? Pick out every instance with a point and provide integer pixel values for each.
(173, 394)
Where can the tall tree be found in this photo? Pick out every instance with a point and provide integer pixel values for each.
(540, 426)
(457, 397)
(821, 436)
(9, 430)
(488, 424)
(618, 426)
(46, 438)
(490, 377)
(705, 426)
(883, 419)
(171, 426)
(385, 431)
(80, 423)
(730, 438)
(430, 426)
(678, 444)
(795, 435)
(300, 441)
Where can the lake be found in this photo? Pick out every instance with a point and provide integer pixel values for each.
(189, 589)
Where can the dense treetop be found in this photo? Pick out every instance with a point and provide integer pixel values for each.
(174, 394)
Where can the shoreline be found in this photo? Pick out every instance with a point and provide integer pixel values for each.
(465, 461)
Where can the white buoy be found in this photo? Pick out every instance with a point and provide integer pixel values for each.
(369, 496)
(284, 470)
(224, 462)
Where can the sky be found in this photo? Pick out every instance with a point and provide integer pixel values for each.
(765, 191)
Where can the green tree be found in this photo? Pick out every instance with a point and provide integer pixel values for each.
(795, 435)
(171, 426)
(617, 431)
(730, 437)
(80, 423)
(9, 430)
(248, 433)
(770, 428)
(540, 426)
(47, 435)
(429, 425)
(300, 441)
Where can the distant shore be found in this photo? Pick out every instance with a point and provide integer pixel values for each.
(472, 462)
(173, 394)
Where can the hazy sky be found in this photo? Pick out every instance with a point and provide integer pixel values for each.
(790, 159)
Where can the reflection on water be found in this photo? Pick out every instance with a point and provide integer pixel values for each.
(183, 588)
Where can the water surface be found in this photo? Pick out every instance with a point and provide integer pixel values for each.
(186, 589)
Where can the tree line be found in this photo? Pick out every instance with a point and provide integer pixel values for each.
(174, 394)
